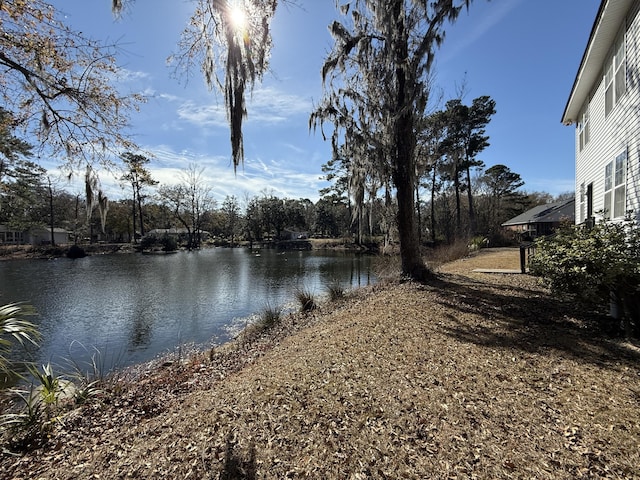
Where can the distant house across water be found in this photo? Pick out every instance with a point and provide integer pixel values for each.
(34, 236)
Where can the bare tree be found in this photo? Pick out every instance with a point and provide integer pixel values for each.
(95, 198)
(189, 201)
(231, 209)
(59, 85)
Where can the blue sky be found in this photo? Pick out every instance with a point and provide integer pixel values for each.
(522, 53)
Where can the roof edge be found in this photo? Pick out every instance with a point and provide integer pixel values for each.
(583, 61)
(611, 15)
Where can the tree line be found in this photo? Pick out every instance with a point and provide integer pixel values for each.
(29, 198)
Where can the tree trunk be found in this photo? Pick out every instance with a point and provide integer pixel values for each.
(404, 172)
(418, 213)
(411, 257)
(140, 210)
(133, 211)
(433, 203)
(370, 218)
(456, 183)
(75, 222)
(53, 238)
(472, 214)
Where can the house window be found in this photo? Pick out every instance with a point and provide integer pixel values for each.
(614, 187)
(583, 127)
(615, 75)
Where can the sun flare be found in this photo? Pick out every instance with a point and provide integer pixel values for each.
(237, 16)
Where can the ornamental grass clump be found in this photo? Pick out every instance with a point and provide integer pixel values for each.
(335, 291)
(306, 299)
(36, 410)
(270, 317)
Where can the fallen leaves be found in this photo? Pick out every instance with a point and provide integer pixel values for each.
(481, 376)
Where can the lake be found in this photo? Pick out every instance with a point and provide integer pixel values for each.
(132, 307)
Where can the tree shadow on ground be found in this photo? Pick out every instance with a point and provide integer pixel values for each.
(238, 465)
(531, 321)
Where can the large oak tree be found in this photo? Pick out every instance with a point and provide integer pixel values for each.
(378, 73)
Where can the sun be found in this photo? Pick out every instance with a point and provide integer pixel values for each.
(237, 16)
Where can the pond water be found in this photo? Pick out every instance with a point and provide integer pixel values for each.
(132, 307)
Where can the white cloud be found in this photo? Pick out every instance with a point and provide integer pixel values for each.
(126, 75)
(271, 105)
(203, 115)
(266, 106)
(253, 178)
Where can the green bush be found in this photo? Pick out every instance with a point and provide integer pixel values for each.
(168, 243)
(598, 265)
(148, 242)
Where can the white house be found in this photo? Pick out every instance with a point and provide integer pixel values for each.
(604, 106)
(34, 236)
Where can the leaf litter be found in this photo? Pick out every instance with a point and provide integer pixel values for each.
(474, 376)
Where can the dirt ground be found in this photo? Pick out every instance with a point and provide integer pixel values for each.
(472, 376)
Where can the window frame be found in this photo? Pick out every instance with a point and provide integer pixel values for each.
(615, 187)
(583, 127)
(615, 73)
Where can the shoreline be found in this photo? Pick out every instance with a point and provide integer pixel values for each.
(29, 252)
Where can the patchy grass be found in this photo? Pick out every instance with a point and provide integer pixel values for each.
(475, 376)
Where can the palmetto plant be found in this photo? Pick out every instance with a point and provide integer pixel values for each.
(15, 329)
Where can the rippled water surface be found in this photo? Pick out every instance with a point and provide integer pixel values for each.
(133, 307)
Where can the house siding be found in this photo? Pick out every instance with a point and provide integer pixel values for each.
(615, 133)
(633, 124)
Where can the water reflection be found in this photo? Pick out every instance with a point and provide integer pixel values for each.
(133, 307)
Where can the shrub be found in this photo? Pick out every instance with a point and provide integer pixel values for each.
(148, 241)
(76, 252)
(598, 265)
(40, 407)
(169, 244)
(478, 242)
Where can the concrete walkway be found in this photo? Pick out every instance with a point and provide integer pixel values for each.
(496, 270)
